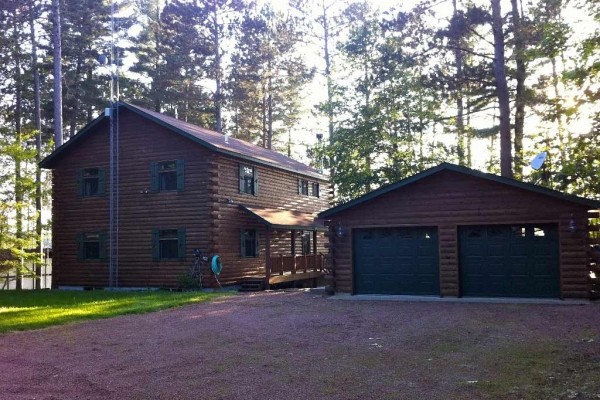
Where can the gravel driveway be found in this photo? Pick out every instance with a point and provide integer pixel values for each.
(298, 345)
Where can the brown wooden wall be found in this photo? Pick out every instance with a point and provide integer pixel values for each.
(450, 199)
(277, 189)
(201, 208)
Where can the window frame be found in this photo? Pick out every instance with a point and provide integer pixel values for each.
(315, 193)
(155, 175)
(83, 239)
(244, 177)
(100, 177)
(157, 241)
(243, 243)
(303, 187)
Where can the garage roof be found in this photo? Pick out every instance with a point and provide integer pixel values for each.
(593, 204)
(285, 219)
(204, 137)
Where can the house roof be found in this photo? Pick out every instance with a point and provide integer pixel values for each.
(213, 140)
(463, 170)
(285, 219)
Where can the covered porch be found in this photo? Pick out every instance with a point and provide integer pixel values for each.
(283, 226)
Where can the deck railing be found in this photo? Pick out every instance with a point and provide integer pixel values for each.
(282, 265)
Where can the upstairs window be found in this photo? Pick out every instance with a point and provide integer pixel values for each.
(303, 187)
(167, 175)
(91, 246)
(315, 189)
(249, 243)
(248, 180)
(307, 188)
(168, 244)
(91, 182)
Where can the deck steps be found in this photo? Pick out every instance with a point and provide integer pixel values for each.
(252, 284)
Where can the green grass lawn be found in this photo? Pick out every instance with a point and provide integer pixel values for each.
(31, 309)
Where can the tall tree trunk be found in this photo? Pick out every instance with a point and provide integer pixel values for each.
(37, 119)
(330, 125)
(19, 195)
(270, 115)
(460, 78)
(502, 92)
(57, 42)
(218, 95)
(521, 75)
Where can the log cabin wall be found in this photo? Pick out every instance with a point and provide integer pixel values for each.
(140, 210)
(276, 189)
(211, 223)
(448, 200)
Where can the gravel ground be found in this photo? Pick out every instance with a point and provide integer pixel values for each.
(298, 345)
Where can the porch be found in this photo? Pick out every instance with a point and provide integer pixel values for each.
(296, 226)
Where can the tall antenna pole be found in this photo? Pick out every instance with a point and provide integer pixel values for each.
(113, 241)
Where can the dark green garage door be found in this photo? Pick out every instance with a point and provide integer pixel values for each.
(509, 261)
(396, 261)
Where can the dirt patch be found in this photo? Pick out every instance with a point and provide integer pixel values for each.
(296, 345)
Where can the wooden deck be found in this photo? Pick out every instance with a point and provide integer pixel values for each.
(294, 268)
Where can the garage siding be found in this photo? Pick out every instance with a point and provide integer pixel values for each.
(448, 200)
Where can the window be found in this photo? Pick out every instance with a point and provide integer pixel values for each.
(306, 248)
(248, 180)
(315, 189)
(91, 182)
(249, 243)
(168, 244)
(303, 187)
(307, 188)
(91, 246)
(167, 175)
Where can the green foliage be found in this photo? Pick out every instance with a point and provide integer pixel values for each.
(25, 310)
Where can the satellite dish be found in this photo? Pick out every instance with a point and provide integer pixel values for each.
(103, 60)
(538, 161)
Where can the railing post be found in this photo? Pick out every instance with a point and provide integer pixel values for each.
(293, 264)
(281, 266)
(268, 259)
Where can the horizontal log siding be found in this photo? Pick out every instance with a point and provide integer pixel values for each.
(201, 208)
(277, 189)
(448, 200)
(140, 210)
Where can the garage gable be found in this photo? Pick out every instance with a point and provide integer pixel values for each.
(468, 172)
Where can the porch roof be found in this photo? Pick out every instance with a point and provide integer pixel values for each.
(275, 218)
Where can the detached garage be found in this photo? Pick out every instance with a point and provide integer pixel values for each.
(454, 231)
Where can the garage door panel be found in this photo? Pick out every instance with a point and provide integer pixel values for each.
(511, 261)
(396, 261)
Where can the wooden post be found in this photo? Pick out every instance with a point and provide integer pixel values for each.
(314, 242)
(281, 261)
(268, 261)
(293, 246)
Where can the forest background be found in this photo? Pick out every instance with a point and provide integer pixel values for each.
(369, 92)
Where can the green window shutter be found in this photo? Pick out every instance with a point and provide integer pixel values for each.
(242, 244)
(241, 178)
(255, 181)
(79, 182)
(102, 240)
(154, 176)
(80, 254)
(180, 174)
(155, 245)
(101, 181)
(181, 243)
